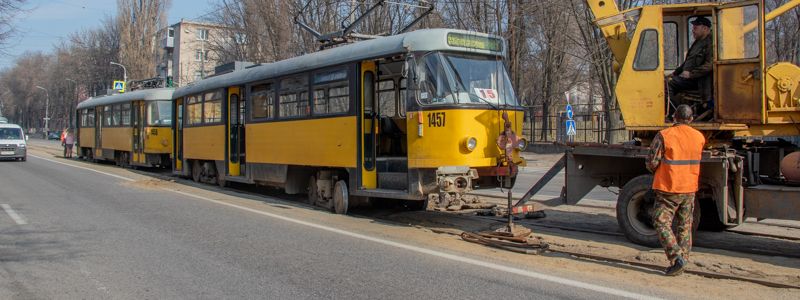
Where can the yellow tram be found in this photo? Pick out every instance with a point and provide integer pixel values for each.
(131, 129)
(415, 116)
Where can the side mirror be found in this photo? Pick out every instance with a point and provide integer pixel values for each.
(26, 137)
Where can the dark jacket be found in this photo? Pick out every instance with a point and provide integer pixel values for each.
(699, 62)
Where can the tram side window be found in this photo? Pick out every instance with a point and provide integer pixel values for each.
(387, 98)
(331, 92)
(108, 116)
(90, 117)
(194, 110)
(263, 101)
(125, 114)
(293, 97)
(212, 107)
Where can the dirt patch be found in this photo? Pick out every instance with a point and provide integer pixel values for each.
(150, 184)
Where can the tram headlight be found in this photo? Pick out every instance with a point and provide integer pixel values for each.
(470, 143)
(522, 144)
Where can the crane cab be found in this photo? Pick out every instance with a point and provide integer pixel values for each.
(747, 96)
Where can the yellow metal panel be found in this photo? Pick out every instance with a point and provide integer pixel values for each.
(206, 142)
(118, 138)
(445, 146)
(158, 140)
(86, 137)
(641, 93)
(329, 142)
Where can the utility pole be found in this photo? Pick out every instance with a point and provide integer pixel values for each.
(73, 102)
(124, 72)
(46, 110)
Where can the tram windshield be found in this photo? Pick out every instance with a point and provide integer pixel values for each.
(450, 78)
(159, 113)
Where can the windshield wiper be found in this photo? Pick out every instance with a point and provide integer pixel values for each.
(460, 82)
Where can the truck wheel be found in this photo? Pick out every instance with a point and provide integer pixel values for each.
(636, 208)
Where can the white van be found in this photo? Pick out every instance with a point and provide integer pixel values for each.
(13, 143)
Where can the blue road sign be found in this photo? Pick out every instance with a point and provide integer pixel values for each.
(571, 130)
(569, 111)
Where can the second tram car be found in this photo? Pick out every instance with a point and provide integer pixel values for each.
(416, 116)
(131, 129)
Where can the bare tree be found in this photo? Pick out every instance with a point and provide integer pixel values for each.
(139, 22)
(8, 12)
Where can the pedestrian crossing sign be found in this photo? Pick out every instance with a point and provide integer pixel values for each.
(119, 85)
(571, 127)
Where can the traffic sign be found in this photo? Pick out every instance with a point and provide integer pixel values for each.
(569, 111)
(571, 127)
(119, 85)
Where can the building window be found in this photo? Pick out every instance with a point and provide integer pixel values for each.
(202, 34)
(240, 38)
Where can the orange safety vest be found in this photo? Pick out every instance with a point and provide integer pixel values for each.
(679, 169)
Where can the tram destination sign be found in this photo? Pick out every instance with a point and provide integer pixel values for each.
(473, 41)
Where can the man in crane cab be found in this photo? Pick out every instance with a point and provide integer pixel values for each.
(694, 74)
(674, 157)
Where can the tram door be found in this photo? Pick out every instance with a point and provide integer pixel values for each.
(98, 132)
(235, 126)
(138, 111)
(368, 125)
(177, 150)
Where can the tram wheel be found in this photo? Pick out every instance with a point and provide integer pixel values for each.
(340, 198)
(312, 191)
(197, 171)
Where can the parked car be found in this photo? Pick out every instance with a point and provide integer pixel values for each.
(13, 143)
(54, 135)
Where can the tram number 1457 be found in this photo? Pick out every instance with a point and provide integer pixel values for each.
(436, 119)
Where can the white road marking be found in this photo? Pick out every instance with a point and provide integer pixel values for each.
(498, 267)
(20, 220)
(470, 261)
(85, 168)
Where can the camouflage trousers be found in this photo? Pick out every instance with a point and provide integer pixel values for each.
(679, 207)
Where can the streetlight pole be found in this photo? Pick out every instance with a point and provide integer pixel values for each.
(124, 71)
(46, 110)
(74, 100)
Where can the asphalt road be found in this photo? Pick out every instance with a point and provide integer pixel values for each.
(70, 233)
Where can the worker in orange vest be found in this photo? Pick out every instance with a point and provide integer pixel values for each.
(674, 157)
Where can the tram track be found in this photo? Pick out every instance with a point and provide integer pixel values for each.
(748, 233)
(605, 259)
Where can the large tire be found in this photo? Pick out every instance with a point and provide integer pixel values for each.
(341, 201)
(635, 210)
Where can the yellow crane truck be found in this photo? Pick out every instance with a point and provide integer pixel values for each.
(750, 168)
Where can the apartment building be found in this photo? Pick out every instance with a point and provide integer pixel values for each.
(186, 56)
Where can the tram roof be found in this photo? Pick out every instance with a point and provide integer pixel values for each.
(146, 95)
(418, 40)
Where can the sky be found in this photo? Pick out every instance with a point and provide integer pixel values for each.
(45, 22)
